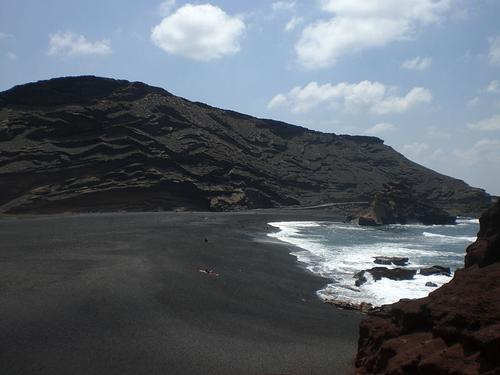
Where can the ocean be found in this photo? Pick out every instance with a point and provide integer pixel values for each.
(337, 251)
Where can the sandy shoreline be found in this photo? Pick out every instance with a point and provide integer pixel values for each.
(122, 294)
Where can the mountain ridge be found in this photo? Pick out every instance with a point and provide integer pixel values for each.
(88, 143)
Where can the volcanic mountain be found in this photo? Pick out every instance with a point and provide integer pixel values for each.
(97, 144)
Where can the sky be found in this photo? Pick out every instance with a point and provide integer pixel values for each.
(424, 75)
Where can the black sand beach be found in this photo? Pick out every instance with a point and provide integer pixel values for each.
(122, 294)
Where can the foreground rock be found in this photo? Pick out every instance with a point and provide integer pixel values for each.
(397, 204)
(390, 273)
(97, 144)
(455, 330)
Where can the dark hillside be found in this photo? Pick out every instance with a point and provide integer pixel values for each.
(98, 144)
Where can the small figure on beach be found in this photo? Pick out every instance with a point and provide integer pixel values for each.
(209, 272)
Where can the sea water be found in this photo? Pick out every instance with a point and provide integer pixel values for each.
(337, 251)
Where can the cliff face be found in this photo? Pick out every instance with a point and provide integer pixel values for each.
(88, 143)
(396, 204)
(455, 330)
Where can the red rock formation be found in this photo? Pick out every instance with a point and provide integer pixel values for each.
(455, 330)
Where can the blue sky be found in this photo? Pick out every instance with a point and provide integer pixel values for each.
(424, 75)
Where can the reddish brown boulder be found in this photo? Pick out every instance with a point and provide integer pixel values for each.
(455, 330)
(485, 250)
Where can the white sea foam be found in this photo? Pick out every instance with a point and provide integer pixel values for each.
(338, 251)
(450, 238)
(348, 227)
(384, 291)
(295, 224)
(467, 220)
(422, 226)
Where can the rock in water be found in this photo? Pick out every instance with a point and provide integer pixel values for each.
(363, 306)
(435, 270)
(97, 144)
(455, 330)
(389, 273)
(397, 261)
(397, 204)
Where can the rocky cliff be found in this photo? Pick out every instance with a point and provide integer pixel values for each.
(94, 144)
(455, 330)
(397, 205)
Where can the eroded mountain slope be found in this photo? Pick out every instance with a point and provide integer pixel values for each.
(88, 143)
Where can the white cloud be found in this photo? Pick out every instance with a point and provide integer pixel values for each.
(277, 101)
(200, 32)
(358, 25)
(322, 43)
(493, 87)
(473, 102)
(395, 104)
(494, 52)
(422, 10)
(284, 5)
(415, 150)
(492, 123)
(166, 7)
(380, 128)
(293, 23)
(73, 44)
(418, 63)
(11, 56)
(435, 132)
(421, 152)
(373, 96)
(484, 150)
(467, 57)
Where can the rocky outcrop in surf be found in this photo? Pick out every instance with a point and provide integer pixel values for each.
(97, 144)
(396, 204)
(377, 273)
(397, 261)
(435, 270)
(455, 330)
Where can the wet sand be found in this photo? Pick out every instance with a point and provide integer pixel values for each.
(122, 294)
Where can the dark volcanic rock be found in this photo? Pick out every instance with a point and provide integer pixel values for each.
(430, 284)
(455, 330)
(363, 306)
(397, 261)
(485, 250)
(389, 273)
(435, 270)
(396, 204)
(89, 143)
